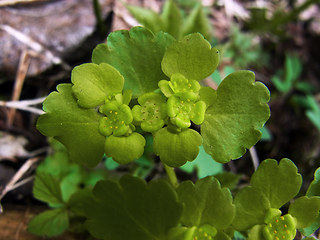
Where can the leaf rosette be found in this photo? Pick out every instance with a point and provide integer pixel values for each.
(272, 186)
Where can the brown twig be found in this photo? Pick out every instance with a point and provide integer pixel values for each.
(13, 2)
(20, 77)
(14, 182)
(24, 105)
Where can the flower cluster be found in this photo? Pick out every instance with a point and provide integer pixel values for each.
(279, 227)
(182, 106)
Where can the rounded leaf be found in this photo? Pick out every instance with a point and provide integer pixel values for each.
(279, 183)
(305, 210)
(237, 112)
(93, 83)
(175, 149)
(77, 128)
(125, 149)
(206, 203)
(192, 57)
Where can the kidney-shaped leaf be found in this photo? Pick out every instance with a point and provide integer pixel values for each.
(192, 57)
(137, 55)
(278, 182)
(206, 203)
(131, 209)
(231, 123)
(75, 127)
(93, 83)
(175, 149)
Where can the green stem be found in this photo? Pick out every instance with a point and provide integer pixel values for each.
(171, 175)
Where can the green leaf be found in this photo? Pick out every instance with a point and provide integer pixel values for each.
(175, 149)
(222, 236)
(204, 165)
(172, 19)
(256, 233)
(77, 128)
(49, 223)
(71, 183)
(206, 203)
(314, 187)
(93, 83)
(314, 112)
(78, 201)
(147, 17)
(137, 55)
(312, 228)
(208, 95)
(125, 149)
(305, 210)
(47, 188)
(56, 164)
(251, 207)
(293, 69)
(231, 123)
(228, 179)
(192, 57)
(131, 209)
(279, 183)
(181, 233)
(197, 21)
(278, 226)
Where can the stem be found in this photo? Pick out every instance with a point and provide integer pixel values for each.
(254, 157)
(171, 175)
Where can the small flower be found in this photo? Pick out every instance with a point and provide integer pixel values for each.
(117, 119)
(183, 110)
(119, 98)
(151, 113)
(279, 227)
(178, 86)
(205, 232)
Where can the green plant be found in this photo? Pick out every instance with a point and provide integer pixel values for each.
(291, 82)
(142, 84)
(172, 20)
